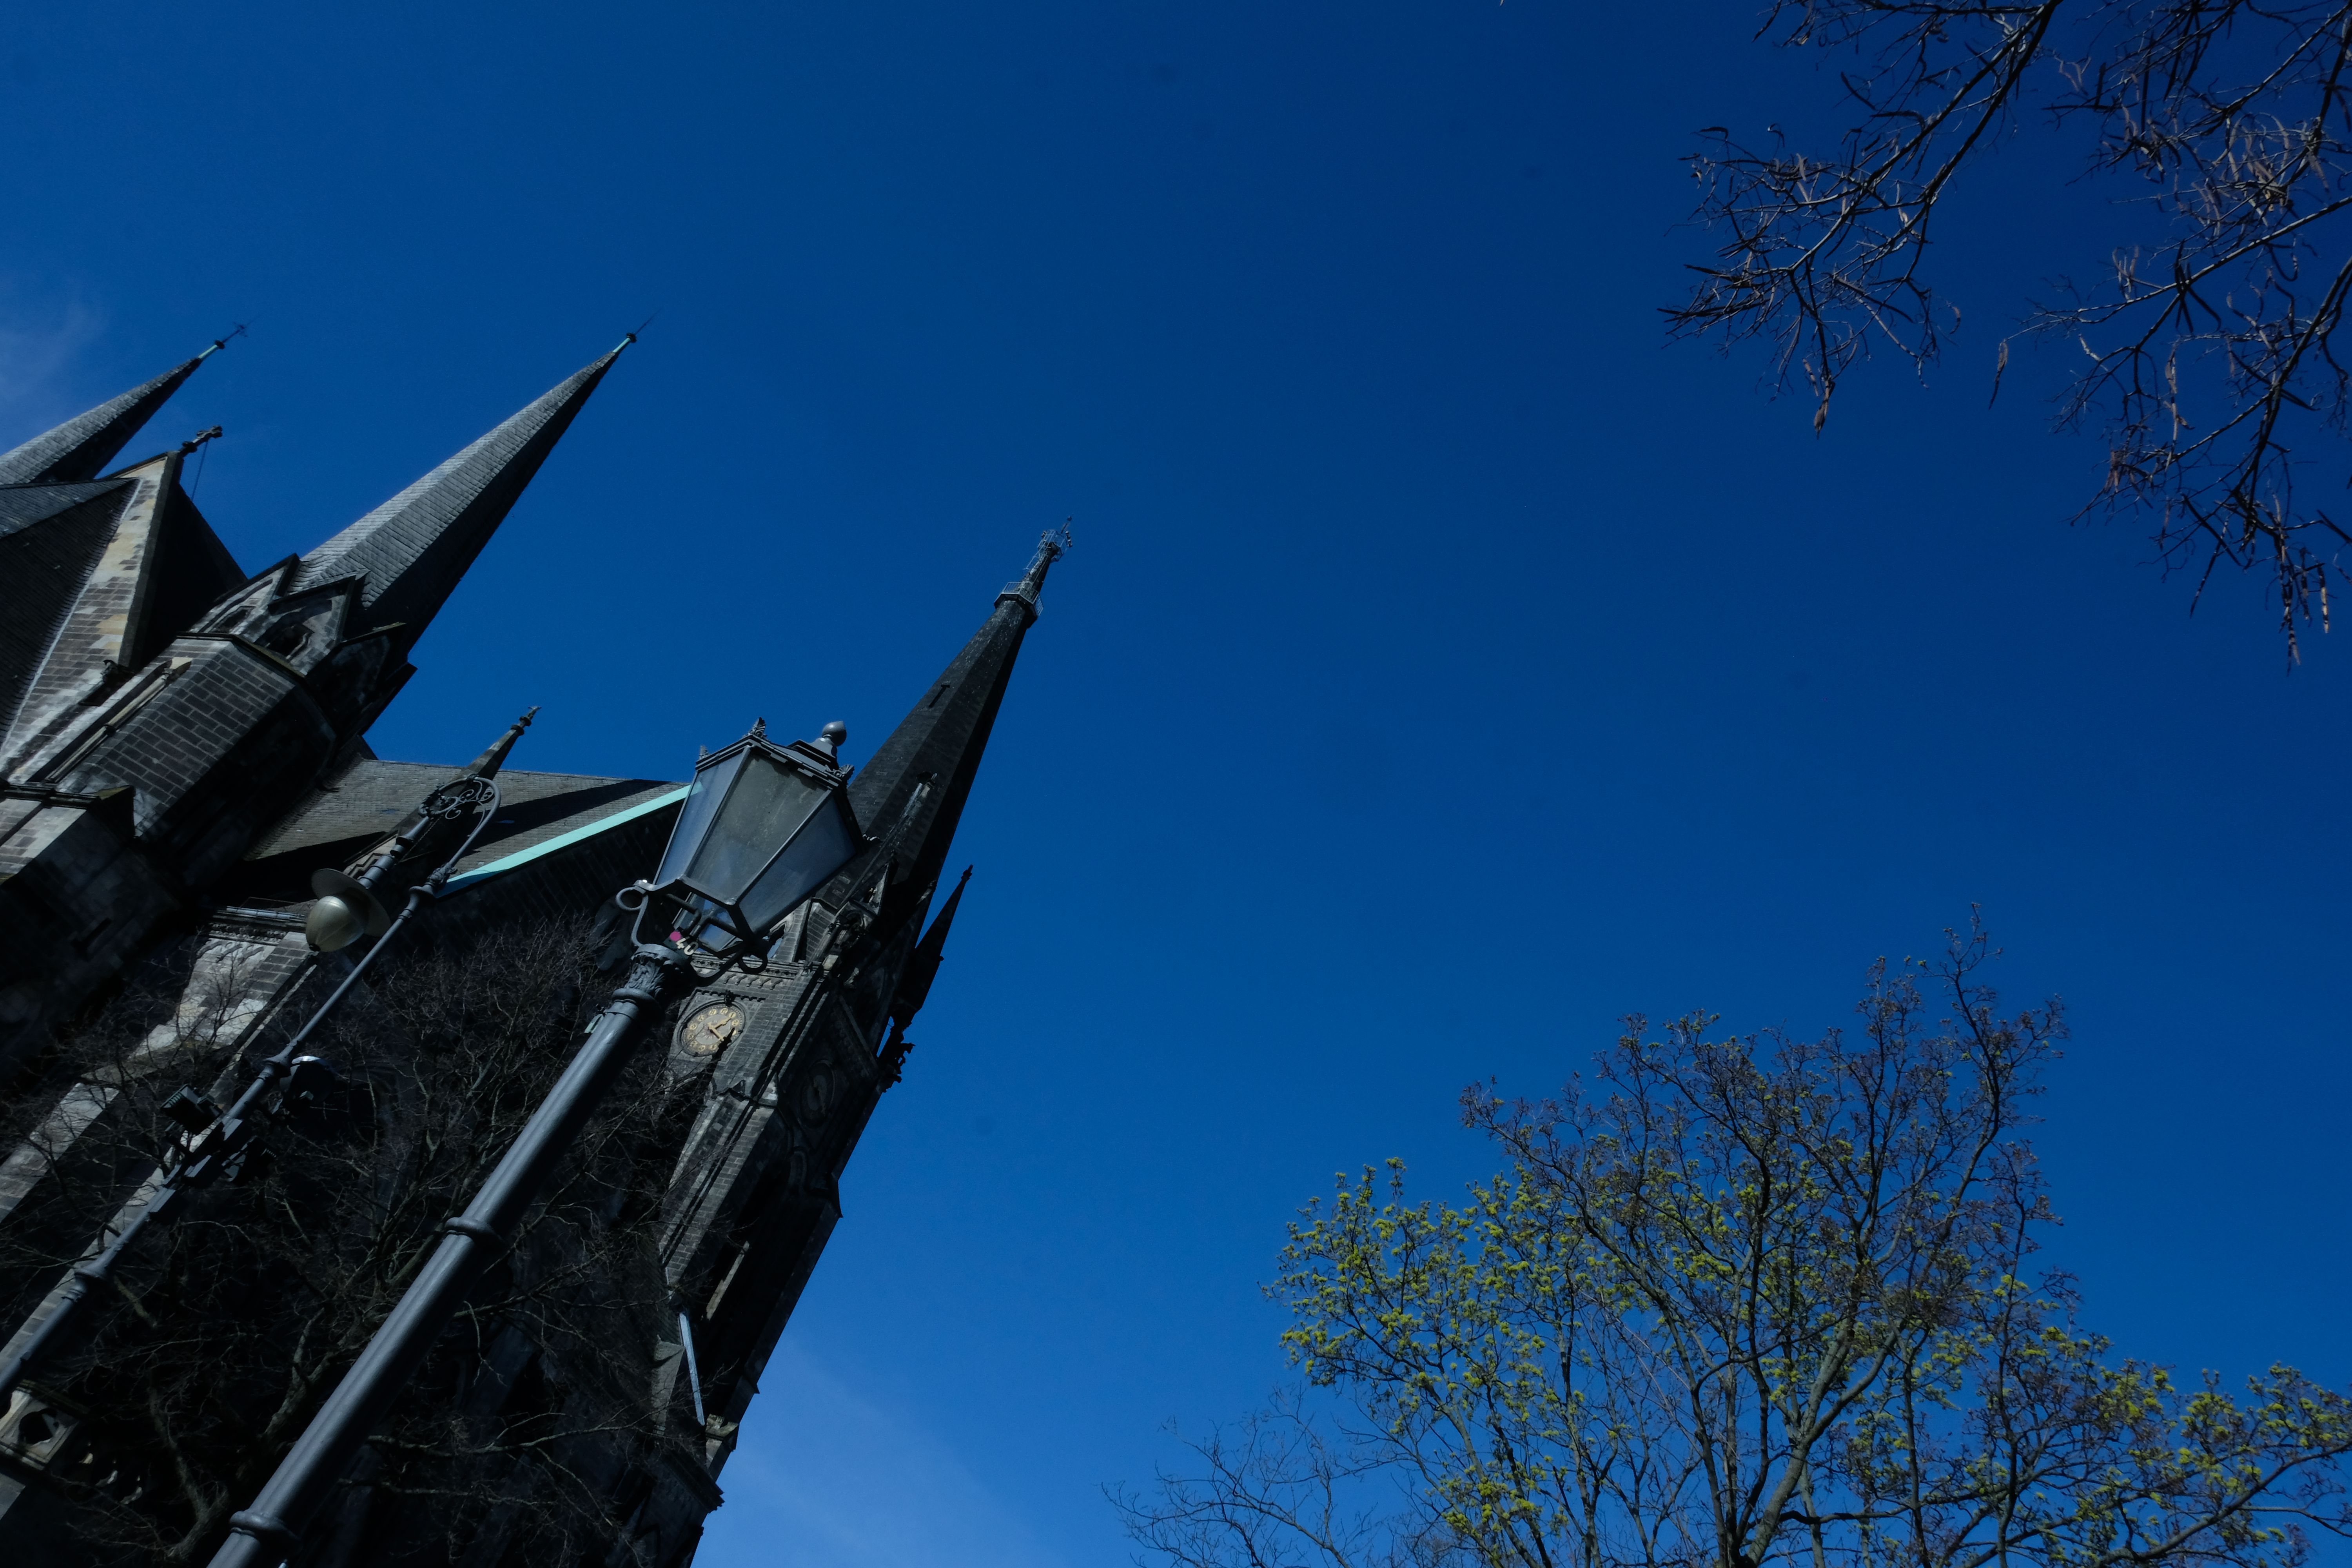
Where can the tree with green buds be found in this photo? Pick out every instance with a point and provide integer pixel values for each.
(1740, 1301)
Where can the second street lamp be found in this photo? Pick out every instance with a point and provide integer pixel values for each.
(764, 827)
(218, 1139)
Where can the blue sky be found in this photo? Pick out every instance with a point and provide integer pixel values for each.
(1447, 665)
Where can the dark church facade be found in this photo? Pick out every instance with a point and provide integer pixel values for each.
(181, 747)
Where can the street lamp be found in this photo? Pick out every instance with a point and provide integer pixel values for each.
(347, 909)
(764, 827)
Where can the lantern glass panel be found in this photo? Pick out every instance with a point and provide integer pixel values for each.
(705, 923)
(760, 816)
(821, 849)
(701, 801)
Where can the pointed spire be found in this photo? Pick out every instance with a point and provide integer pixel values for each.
(422, 838)
(414, 547)
(80, 448)
(487, 764)
(943, 738)
(915, 984)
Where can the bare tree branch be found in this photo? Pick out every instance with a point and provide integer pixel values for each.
(2212, 362)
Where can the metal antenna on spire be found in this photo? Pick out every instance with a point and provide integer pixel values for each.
(632, 337)
(220, 343)
(201, 438)
(1052, 545)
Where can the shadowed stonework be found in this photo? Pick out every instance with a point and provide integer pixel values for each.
(184, 750)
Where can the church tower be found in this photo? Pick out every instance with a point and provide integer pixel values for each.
(161, 710)
(792, 1083)
(181, 748)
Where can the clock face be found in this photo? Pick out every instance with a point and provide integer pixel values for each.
(708, 1032)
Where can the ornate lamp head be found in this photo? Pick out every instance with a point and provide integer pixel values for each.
(763, 826)
(345, 912)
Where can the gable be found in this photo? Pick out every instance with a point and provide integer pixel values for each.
(540, 814)
(51, 537)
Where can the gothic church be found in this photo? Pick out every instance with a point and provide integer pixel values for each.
(182, 746)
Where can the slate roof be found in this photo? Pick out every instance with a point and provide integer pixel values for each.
(21, 506)
(80, 448)
(370, 796)
(414, 547)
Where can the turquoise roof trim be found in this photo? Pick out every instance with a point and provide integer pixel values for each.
(524, 857)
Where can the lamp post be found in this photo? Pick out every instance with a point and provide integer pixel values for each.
(218, 1139)
(763, 828)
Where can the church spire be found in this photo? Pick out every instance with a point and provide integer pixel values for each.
(487, 764)
(915, 983)
(79, 449)
(942, 739)
(414, 547)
